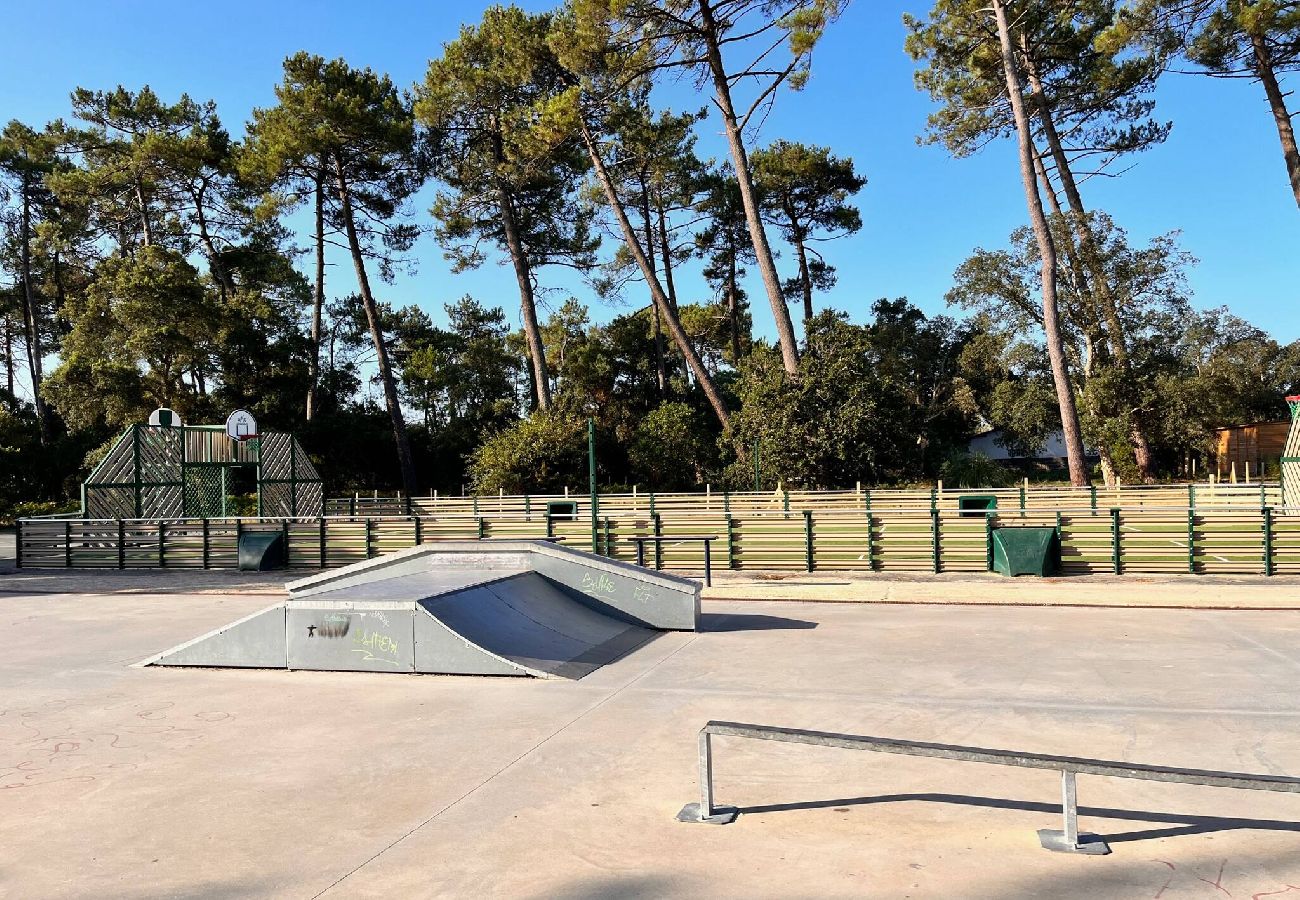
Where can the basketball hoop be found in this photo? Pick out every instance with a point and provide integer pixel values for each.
(241, 426)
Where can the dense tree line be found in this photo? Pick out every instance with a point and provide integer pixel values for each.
(148, 258)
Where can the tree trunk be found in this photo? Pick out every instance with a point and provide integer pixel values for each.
(740, 161)
(31, 314)
(1047, 250)
(1081, 225)
(146, 227)
(404, 459)
(9, 357)
(527, 304)
(225, 284)
(657, 294)
(805, 282)
(1277, 102)
(661, 352)
(317, 299)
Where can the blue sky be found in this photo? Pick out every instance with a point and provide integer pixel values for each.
(1219, 179)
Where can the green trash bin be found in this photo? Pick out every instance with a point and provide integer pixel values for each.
(1025, 550)
(261, 551)
(976, 504)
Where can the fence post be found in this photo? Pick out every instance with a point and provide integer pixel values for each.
(785, 501)
(206, 543)
(1268, 540)
(808, 538)
(408, 504)
(606, 552)
(474, 500)
(324, 543)
(162, 544)
(988, 541)
(659, 530)
(871, 536)
(481, 532)
(284, 530)
(419, 531)
(369, 528)
(121, 544)
(1191, 540)
(352, 506)
(726, 500)
(1022, 500)
(731, 541)
(652, 504)
(67, 543)
(1114, 539)
(934, 501)
(18, 543)
(1092, 490)
(1191, 496)
(528, 508)
(934, 539)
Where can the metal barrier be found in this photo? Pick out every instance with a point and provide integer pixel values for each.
(1067, 840)
(658, 540)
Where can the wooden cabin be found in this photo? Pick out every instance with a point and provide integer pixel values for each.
(1258, 444)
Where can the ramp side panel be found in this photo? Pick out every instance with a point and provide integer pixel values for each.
(254, 642)
(440, 651)
(341, 638)
(634, 596)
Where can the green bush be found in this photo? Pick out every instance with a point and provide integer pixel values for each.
(975, 470)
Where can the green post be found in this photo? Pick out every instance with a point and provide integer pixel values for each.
(324, 543)
(731, 543)
(606, 541)
(934, 539)
(652, 503)
(1114, 539)
(591, 483)
(758, 470)
(18, 543)
(934, 501)
(67, 543)
(528, 509)
(808, 538)
(1268, 540)
(284, 530)
(370, 550)
(1092, 490)
(419, 531)
(1022, 499)
(871, 539)
(135, 455)
(474, 501)
(988, 541)
(785, 501)
(659, 530)
(293, 484)
(1191, 497)
(481, 532)
(726, 500)
(121, 544)
(162, 544)
(207, 543)
(1191, 540)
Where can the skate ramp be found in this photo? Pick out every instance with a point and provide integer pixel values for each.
(456, 610)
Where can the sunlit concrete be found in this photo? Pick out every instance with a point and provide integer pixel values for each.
(128, 782)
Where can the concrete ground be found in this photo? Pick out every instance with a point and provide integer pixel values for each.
(126, 782)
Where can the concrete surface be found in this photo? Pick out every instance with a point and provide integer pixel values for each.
(1155, 591)
(127, 782)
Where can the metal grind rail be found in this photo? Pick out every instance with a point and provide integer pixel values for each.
(1067, 840)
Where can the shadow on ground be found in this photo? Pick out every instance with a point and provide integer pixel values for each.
(720, 622)
(1182, 824)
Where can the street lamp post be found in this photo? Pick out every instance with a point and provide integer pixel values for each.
(591, 481)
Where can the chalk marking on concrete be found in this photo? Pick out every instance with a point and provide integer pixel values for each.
(510, 765)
